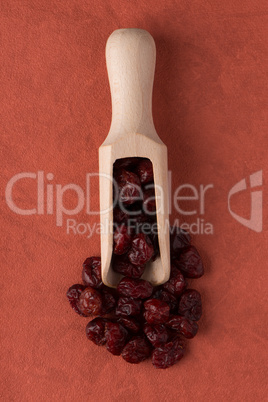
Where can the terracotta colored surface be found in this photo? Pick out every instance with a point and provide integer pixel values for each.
(209, 108)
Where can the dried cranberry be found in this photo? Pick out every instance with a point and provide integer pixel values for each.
(130, 323)
(90, 302)
(176, 283)
(149, 205)
(129, 186)
(190, 263)
(127, 306)
(167, 297)
(136, 288)
(122, 239)
(119, 215)
(156, 311)
(157, 334)
(116, 336)
(141, 250)
(95, 330)
(184, 326)
(135, 244)
(126, 163)
(168, 354)
(136, 350)
(108, 301)
(179, 239)
(91, 274)
(136, 218)
(190, 305)
(145, 171)
(123, 266)
(141, 227)
(73, 295)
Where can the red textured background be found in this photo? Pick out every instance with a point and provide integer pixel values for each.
(209, 108)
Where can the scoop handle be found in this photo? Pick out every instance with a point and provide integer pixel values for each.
(130, 59)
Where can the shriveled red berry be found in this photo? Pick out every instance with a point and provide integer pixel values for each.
(136, 288)
(149, 205)
(119, 215)
(141, 250)
(90, 302)
(126, 163)
(168, 354)
(136, 350)
(95, 330)
(182, 325)
(122, 239)
(144, 227)
(116, 336)
(122, 265)
(91, 274)
(166, 297)
(190, 263)
(145, 171)
(130, 323)
(190, 305)
(156, 311)
(179, 239)
(136, 218)
(128, 306)
(176, 283)
(129, 186)
(73, 295)
(157, 334)
(108, 301)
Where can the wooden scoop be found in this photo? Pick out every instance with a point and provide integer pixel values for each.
(130, 58)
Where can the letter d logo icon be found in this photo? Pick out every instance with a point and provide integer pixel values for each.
(255, 221)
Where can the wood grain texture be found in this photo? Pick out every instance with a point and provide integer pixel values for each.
(130, 57)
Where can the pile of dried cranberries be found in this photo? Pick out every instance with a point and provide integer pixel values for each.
(137, 320)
